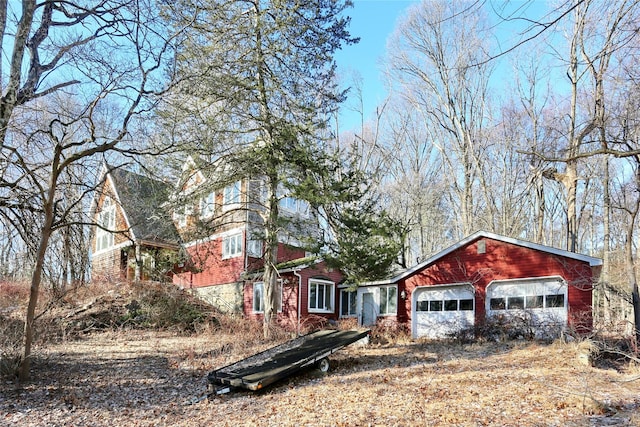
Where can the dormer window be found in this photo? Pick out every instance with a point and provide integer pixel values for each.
(231, 195)
(207, 205)
(106, 225)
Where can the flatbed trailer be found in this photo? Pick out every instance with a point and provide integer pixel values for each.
(282, 361)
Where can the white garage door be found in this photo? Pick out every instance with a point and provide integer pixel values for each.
(541, 302)
(439, 311)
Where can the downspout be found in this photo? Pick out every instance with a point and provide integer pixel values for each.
(295, 273)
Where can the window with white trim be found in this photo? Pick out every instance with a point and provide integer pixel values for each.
(348, 307)
(232, 246)
(231, 194)
(258, 296)
(180, 215)
(321, 296)
(254, 248)
(388, 300)
(106, 224)
(207, 205)
(292, 205)
(528, 302)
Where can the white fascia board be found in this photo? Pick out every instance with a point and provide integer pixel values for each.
(121, 207)
(592, 261)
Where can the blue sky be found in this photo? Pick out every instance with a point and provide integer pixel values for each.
(373, 21)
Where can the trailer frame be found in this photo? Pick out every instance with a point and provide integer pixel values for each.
(276, 363)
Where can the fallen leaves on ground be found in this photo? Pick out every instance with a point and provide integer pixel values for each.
(145, 378)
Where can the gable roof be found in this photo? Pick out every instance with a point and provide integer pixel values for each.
(143, 202)
(592, 261)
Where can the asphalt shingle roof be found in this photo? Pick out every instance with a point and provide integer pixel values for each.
(144, 201)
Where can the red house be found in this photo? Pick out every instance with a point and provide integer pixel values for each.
(220, 222)
(205, 235)
(307, 294)
(486, 276)
(133, 237)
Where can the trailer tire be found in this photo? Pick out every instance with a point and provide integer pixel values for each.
(323, 365)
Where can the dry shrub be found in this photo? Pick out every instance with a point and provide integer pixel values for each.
(234, 338)
(348, 323)
(390, 333)
(11, 333)
(13, 294)
(615, 352)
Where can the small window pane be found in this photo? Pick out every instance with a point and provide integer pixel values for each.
(328, 305)
(344, 303)
(555, 300)
(451, 305)
(392, 299)
(383, 300)
(466, 304)
(422, 306)
(348, 303)
(258, 298)
(497, 304)
(312, 296)
(352, 303)
(435, 305)
(535, 301)
(320, 296)
(515, 303)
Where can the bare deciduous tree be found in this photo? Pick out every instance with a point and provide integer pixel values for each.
(433, 60)
(68, 100)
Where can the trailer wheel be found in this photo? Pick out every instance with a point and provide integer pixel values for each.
(323, 365)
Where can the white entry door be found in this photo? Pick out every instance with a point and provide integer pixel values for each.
(369, 309)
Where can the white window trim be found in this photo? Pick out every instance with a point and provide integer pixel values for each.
(109, 210)
(181, 214)
(254, 248)
(229, 204)
(332, 297)
(380, 313)
(207, 207)
(353, 294)
(253, 308)
(226, 254)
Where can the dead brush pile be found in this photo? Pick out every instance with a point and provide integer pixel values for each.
(92, 308)
(147, 305)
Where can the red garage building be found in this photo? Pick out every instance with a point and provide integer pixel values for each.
(486, 276)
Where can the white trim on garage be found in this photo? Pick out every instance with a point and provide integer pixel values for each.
(483, 234)
(437, 311)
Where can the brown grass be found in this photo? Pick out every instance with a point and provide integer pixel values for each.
(143, 377)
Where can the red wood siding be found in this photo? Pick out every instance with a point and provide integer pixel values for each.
(289, 315)
(502, 261)
(109, 264)
(208, 268)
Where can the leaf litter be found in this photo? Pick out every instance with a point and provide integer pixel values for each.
(145, 378)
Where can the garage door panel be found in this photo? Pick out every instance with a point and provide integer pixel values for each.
(442, 311)
(542, 303)
(443, 324)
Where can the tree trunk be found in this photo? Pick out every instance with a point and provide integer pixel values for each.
(36, 279)
(632, 278)
(270, 276)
